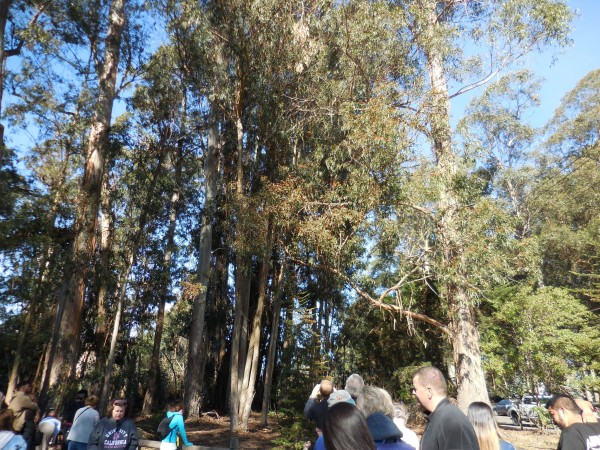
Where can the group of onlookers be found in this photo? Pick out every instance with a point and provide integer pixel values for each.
(356, 417)
(364, 417)
(81, 427)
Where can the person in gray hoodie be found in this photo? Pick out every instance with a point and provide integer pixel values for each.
(116, 431)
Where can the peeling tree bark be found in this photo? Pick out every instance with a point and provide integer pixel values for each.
(273, 340)
(470, 379)
(66, 347)
(194, 374)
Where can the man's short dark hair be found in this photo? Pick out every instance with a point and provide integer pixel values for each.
(23, 383)
(432, 377)
(564, 401)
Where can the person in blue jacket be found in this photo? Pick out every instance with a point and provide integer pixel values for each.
(175, 410)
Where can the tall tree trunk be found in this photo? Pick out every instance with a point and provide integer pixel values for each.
(102, 273)
(250, 368)
(242, 278)
(164, 283)
(44, 269)
(194, 377)
(66, 348)
(273, 339)
(465, 342)
(242, 296)
(115, 335)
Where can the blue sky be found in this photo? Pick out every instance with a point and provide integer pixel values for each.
(569, 66)
(578, 60)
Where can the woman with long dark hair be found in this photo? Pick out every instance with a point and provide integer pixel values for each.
(345, 428)
(481, 416)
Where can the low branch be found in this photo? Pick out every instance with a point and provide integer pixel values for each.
(379, 301)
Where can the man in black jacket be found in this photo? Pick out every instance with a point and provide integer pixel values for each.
(316, 405)
(447, 428)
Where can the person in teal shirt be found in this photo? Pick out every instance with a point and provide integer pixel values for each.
(175, 410)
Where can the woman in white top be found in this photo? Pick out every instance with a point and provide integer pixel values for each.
(83, 423)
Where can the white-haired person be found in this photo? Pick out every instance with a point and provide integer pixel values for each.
(354, 385)
(401, 416)
(377, 406)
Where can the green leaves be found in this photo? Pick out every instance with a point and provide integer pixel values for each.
(545, 335)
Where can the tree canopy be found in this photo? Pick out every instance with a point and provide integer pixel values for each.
(226, 201)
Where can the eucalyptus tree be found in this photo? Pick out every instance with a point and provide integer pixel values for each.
(107, 34)
(495, 131)
(462, 221)
(46, 105)
(430, 220)
(564, 198)
(162, 103)
(17, 18)
(198, 60)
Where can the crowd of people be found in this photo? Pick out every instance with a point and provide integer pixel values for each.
(81, 427)
(354, 418)
(362, 416)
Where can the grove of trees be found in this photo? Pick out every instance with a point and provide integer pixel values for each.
(228, 200)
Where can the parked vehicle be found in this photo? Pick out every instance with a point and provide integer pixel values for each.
(527, 410)
(501, 408)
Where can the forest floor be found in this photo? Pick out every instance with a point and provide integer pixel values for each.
(214, 432)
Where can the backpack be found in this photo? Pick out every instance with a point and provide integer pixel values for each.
(164, 427)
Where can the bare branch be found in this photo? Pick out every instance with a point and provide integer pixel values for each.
(379, 301)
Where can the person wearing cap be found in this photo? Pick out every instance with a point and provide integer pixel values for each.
(316, 405)
(115, 431)
(377, 406)
(354, 385)
(335, 398)
(84, 422)
(49, 426)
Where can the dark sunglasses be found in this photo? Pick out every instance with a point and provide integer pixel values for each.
(120, 402)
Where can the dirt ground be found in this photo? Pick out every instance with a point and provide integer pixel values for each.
(212, 431)
(530, 439)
